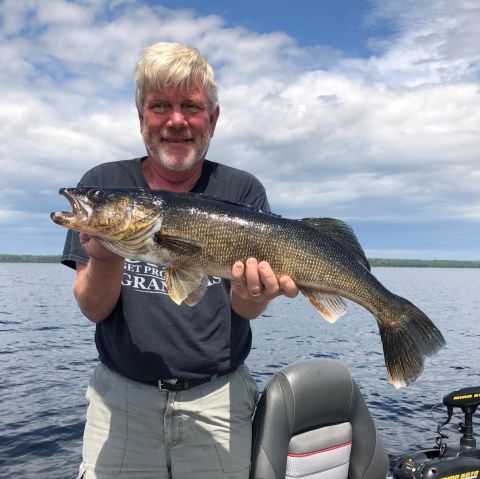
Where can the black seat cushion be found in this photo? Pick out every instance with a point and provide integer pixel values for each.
(310, 395)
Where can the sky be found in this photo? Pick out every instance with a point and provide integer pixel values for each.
(366, 111)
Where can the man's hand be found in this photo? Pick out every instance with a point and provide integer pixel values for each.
(97, 284)
(95, 249)
(254, 285)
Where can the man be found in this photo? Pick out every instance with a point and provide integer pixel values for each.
(171, 396)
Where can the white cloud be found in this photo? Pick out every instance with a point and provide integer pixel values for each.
(390, 136)
(433, 42)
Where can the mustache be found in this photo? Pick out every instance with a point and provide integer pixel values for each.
(168, 135)
(176, 135)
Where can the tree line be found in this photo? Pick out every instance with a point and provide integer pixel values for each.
(29, 258)
(424, 263)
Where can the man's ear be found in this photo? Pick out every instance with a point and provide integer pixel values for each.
(213, 119)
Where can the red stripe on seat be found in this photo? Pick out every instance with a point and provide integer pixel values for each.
(321, 450)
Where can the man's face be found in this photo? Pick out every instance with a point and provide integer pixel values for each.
(177, 126)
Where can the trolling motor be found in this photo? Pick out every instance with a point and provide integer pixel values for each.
(447, 462)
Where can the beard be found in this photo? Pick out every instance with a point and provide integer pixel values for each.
(176, 157)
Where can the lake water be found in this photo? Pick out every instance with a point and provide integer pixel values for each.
(47, 354)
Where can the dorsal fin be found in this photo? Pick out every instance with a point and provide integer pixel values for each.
(342, 233)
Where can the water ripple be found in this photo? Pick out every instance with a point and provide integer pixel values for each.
(47, 355)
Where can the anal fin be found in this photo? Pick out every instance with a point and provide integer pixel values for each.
(330, 306)
(197, 294)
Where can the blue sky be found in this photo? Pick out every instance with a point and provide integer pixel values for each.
(343, 23)
(361, 110)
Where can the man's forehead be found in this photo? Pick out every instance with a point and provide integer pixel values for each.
(195, 92)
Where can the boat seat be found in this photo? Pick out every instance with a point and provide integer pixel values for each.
(311, 422)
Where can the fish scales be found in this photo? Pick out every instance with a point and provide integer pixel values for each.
(290, 247)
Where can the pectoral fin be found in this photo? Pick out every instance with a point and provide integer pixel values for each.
(177, 244)
(186, 284)
(330, 306)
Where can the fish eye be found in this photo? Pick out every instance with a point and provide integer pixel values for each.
(96, 195)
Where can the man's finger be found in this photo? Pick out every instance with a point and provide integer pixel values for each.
(288, 286)
(252, 278)
(84, 238)
(269, 280)
(238, 271)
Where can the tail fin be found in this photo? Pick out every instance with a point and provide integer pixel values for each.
(406, 343)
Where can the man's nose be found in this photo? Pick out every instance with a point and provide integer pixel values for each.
(177, 119)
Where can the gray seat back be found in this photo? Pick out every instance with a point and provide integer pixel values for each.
(312, 422)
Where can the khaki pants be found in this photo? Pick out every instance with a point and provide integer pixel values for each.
(136, 431)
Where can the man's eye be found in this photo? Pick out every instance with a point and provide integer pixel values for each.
(192, 107)
(160, 107)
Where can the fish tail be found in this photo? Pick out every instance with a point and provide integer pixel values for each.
(406, 341)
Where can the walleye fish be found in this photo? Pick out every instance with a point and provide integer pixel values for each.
(194, 236)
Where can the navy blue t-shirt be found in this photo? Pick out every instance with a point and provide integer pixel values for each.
(147, 336)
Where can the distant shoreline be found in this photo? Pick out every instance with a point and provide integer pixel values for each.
(378, 262)
(424, 263)
(29, 258)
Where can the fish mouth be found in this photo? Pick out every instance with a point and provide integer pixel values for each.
(78, 214)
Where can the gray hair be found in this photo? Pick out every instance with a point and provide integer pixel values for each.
(165, 65)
